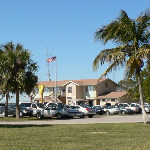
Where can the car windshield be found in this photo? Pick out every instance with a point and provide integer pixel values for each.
(25, 104)
(40, 105)
(2, 104)
(98, 107)
(108, 107)
(75, 107)
(125, 105)
(86, 106)
(67, 106)
(133, 105)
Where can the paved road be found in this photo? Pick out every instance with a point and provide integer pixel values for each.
(103, 119)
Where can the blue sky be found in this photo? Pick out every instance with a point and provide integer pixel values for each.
(65, 29)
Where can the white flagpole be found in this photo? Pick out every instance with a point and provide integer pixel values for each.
(48, 66)
(56, 83)
(49, 79)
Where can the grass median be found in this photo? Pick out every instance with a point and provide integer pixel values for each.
(75, 137)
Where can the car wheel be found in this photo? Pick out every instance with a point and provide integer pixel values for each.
(38, 115)
(31, 115)
(59, 116)
(82, 115)
(90, 116)
(123, 113)
(107, 113)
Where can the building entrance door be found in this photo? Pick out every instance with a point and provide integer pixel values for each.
(90, 103)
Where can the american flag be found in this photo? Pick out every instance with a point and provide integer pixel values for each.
(51, 59)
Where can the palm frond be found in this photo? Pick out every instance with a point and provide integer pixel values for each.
(143, 53)
(143, 28)
(114, 65)
(118, 30)
(111, 55)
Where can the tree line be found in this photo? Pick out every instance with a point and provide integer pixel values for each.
(131, 85)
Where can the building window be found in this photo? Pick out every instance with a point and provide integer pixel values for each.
(69, 97)
(46, 89)
(103, 100)
(86, 88)
(69, 89)
(63, 90)
(90, 88)
(113, 100)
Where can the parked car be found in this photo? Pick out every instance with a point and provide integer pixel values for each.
(44, 113)
(146, 104)
(135, 107)
(99, 110)
(2, 107)
(67, 111)
(26, 112)
(85, 110)
(124, 105)
(56, 110)
(11, 109)
(27, 105)
(23, 111)
(123, 111)
(147, 108)
(111, 110)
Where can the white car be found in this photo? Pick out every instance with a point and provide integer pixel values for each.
(85, 110)
(110, 110)
(147, 108)
(135, 107)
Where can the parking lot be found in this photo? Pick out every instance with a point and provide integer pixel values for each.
(86, 120)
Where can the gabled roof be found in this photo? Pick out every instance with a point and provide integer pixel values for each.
(115, 94)
(78, 82)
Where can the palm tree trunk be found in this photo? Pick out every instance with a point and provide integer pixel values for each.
(6, 105)
(17, 105)
(146, 119)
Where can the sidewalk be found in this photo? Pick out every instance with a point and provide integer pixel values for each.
(104, 119)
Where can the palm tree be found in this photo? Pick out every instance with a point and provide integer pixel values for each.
(17, 71)
(133, 47)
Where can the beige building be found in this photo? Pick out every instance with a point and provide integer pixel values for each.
(77, 91)
(113, 98)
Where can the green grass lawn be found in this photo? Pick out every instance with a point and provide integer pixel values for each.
(75, 137)
(21, 119)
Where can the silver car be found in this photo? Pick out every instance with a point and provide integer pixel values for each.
(111, 110)
(56, 110)
(85, 110)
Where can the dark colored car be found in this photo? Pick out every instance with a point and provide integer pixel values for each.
(99, 110)
(26, 112)
(23, 111)
(2, 107)
(124, 111)
(11, 110)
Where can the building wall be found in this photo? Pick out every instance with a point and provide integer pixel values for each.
(105, 87)
(80, 92)
(71, 97)
(125, 99)
(122, 99)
